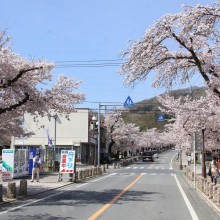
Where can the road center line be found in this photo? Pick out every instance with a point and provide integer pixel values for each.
(189, 206)
(100, 211)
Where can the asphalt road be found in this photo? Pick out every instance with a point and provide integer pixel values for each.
(144, 190)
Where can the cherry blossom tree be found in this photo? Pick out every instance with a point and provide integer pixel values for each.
(177, 47)
(191, 116)
(127, 136)
(26, 86)
(113, 121)
(153, 139)
(119, 134)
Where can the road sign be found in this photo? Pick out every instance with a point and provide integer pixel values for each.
(160, 118)
(128, 103)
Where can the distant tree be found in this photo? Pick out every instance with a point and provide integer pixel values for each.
(195, 39)
(127, 136)
(25, 86)
(120, 135)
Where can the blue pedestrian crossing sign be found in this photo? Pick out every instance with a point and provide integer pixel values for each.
(128, 103)
(160, 118)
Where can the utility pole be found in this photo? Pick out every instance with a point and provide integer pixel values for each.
(99, 135)
(203, 154)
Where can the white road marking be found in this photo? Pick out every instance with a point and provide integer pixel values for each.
(50, 196)
(171, 162)
(112, 174)
(29, 203)
(82, 185)
(134, 167)
(127, 167)
(189, 206)
(141, 168)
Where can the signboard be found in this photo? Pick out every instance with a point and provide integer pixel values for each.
(7, 164)
(5, 176)
(128, 103)
(67, 163)
(160, 118)
(15, 162)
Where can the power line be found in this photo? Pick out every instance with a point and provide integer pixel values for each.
(87, 63)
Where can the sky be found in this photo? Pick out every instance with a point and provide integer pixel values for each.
(85, 39)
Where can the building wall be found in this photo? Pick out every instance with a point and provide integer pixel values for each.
(68, 132)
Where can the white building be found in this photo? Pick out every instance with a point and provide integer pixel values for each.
(65, 133)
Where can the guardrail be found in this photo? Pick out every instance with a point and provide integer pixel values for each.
(206, 187)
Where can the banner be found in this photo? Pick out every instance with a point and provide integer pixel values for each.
(67, 162)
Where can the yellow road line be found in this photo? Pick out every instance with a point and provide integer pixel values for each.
(100, 211)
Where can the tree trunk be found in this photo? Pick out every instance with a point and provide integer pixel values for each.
(110, 147)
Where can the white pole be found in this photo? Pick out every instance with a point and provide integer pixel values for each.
(99, 136)
(194, 148)
(55, 135)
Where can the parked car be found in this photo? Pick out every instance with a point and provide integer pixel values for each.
(155, 155)
(148, 155)
(105, 158)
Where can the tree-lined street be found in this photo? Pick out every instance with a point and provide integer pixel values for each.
(143, 190)
(179, 48)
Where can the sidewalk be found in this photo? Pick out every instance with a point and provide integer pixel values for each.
(48, 181)
(185, 164)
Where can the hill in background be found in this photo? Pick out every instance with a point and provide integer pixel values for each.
(145, 113)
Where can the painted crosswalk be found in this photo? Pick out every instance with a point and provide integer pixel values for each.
(149, 168)
(144, 173)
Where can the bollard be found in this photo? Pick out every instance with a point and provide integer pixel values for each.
(79, 175)
(114, 165)
(210, 193)
(207, 188)
(95, 171)
(91, 172)
(214, 194)
(71, 177)
(204, 180)
(23, 187)
(74, 177)
(104, 168)
(11, 191)
(82, 175)
(199, 182)
(218, 196)
(1, 193)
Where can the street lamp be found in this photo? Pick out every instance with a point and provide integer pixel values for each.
(203, 154)
(56, 119)
(93, 128)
